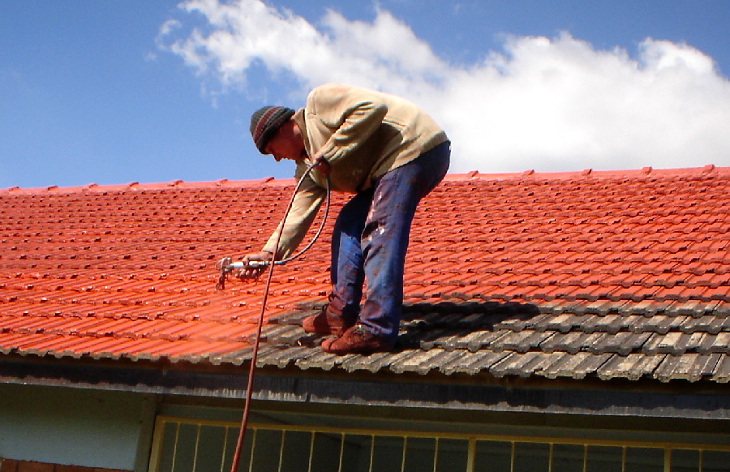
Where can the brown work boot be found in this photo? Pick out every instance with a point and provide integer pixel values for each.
(356, 340)
(326, 322)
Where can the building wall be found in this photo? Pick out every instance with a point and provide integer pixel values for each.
(89, 428)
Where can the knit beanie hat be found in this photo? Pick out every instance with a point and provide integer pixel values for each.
(265, 122)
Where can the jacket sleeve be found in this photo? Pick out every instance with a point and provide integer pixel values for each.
(352, 114)
(304, 208)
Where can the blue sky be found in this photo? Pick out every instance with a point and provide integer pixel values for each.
(112, 92)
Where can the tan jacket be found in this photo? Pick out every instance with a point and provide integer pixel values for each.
(363, 134)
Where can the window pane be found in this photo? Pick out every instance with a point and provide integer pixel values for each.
(296, 451)
(210, 448)
(420, 454)
(231, 438)
(266, 451)
(185, 448)
(245, 456)
(388, 454)
(569, 458)
(168, 445)
(604, 459)
(356, 453)
(644, 460)
(493, 456)
(685, 460)
(715, 461)
(452, 455)
(326, 452)
(531, 457)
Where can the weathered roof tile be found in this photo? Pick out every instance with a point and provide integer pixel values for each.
(633, 367)
(722, 370)
(692, 367)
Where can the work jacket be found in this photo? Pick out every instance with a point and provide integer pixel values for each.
(363, 134)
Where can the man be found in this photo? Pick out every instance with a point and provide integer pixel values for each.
(389, 154)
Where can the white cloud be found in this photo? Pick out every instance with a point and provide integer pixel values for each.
(548, 104)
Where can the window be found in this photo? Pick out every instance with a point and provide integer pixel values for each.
(182, 445)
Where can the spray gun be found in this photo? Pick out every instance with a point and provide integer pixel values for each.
(226, 266)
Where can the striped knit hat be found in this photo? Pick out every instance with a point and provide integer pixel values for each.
(265, 122)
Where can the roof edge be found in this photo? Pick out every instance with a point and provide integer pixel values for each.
(571, 399)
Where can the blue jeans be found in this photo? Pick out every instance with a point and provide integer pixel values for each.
(370, 239)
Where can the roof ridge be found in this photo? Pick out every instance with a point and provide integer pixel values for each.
(136, 186)
(708, 170)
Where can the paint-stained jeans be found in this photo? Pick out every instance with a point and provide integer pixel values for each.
(370, 240)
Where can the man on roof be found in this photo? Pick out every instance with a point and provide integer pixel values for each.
(389, 154)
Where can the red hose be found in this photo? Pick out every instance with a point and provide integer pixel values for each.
(254, 354)
(252, 369)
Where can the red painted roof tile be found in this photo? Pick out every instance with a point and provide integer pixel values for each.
(626, 269)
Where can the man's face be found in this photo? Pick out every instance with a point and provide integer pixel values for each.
(287, 143)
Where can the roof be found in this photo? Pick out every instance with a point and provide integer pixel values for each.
(605, 275)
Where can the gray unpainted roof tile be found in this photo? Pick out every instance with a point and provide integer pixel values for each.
(375, 362)
(472, 363)
(691, 367)
(422, 361)
(722, 370)
(522, 341)
(524, 365)
(716, 343)
(511, 339)
(479, 340)
(575, 366)
(571, 343)
(707, 323)
(620, 343)
(633, 366)
(672, 343)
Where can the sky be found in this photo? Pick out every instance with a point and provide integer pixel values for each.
(114, 92)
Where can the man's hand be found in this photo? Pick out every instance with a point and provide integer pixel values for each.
(323, 167)
(252, 273)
